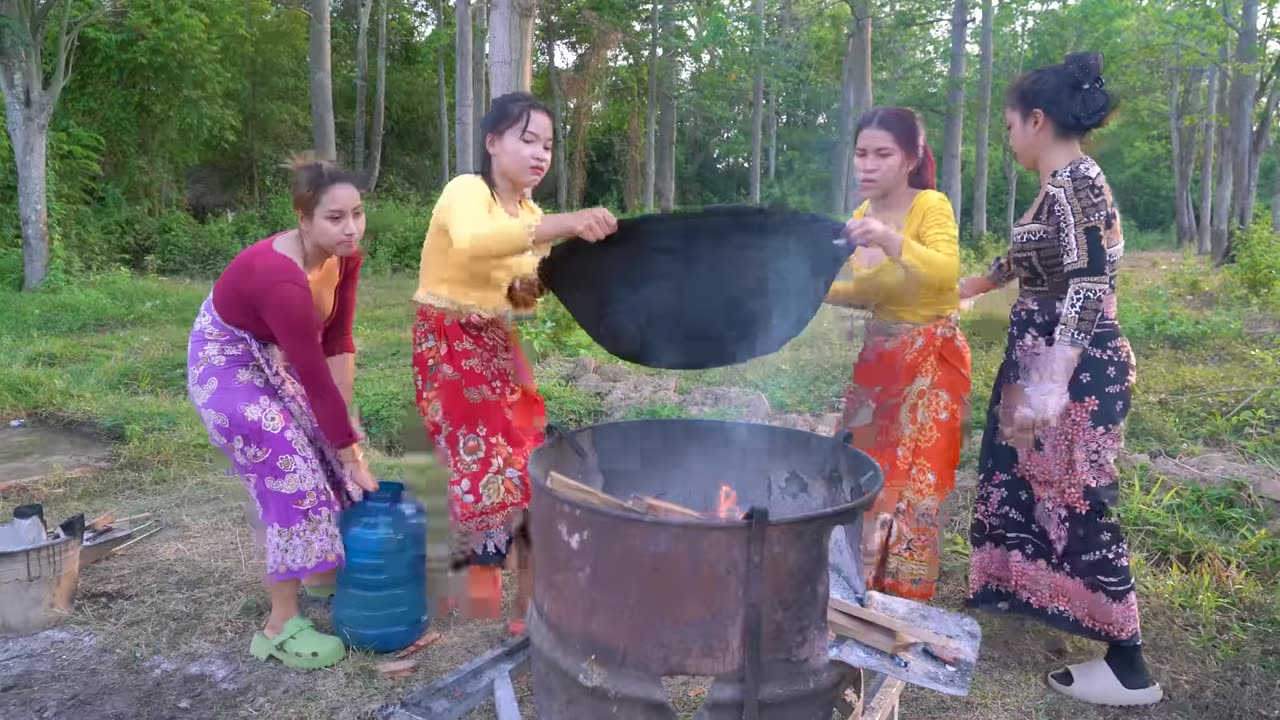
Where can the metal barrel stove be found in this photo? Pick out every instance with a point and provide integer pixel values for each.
(622, 600)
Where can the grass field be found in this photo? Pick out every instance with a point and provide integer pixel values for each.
(161, 631)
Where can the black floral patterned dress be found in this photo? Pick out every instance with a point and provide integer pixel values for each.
(1044, 540)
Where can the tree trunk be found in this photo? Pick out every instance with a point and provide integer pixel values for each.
(379, 101)
(757, 107)
(844, 127)
(1204, 245)
(29, 135)
(1173, 72)
(982, 144)
(464, 89)
(559, 167)
(953, 135)
(442, 88)
(362, 83)
(665, 183)
(863, 95)
(526, 11)
(251, 128)
(772, 119)
(479, 78)
(855, 99)
(1260, 144)
(592, 65)
(651, 112)
(504, 49)
(1190, 137)
(31, 88)
(326, 142)
(774, 93)
(1275, 199)
(1011, 181)
(633, 178)
(1243, 88)
(1226, 170)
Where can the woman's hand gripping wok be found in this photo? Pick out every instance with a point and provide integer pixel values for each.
(871, 233)
(591, 224)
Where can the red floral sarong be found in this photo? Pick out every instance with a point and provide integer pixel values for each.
(476, 393)
(907, 408)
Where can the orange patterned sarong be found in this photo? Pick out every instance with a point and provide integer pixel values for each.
(907, 407)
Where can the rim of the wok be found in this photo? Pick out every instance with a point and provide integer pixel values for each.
(828, 514)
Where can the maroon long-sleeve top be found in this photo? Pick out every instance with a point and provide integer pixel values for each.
(266, 294)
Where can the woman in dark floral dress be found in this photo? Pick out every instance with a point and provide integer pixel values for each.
(1045, 542)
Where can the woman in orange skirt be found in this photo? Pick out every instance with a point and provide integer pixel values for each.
(475, 389)
(907, 405)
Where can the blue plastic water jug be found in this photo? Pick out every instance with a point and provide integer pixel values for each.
(381, 599)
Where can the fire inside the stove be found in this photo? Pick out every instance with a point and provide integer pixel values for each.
(727, 505)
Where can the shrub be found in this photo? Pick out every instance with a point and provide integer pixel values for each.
(1255, 272)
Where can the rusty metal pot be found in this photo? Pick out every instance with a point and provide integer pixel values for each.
(622, 600)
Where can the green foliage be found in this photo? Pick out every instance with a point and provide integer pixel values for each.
(394, 233)
(1255, 268)
(569, 407)
(552, 330)
(1210, 553)
(1161, 320)
(976, 257)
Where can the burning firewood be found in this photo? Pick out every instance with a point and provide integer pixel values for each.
(654, 506)
(643, 504)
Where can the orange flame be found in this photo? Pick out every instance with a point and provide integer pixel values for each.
(727, 506)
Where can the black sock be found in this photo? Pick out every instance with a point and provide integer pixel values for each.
(1127, 664)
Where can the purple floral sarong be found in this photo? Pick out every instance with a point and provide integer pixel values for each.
(257, 412)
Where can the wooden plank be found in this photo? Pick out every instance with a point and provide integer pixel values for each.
(574, 489)
(943, 647)
(397, 668)
(103, 520)
(663, 508)
(884, 704)
(875, 636)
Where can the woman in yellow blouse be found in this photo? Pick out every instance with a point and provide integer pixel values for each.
(475, 388)
(907, 404)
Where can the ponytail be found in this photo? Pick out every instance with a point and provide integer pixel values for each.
(925, 174)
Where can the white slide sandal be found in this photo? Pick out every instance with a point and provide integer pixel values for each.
(1094, 683)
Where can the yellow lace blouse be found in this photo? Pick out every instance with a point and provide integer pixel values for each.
(920, 286)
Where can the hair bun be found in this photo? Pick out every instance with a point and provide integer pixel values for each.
(1085, 68)
(308, 160)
